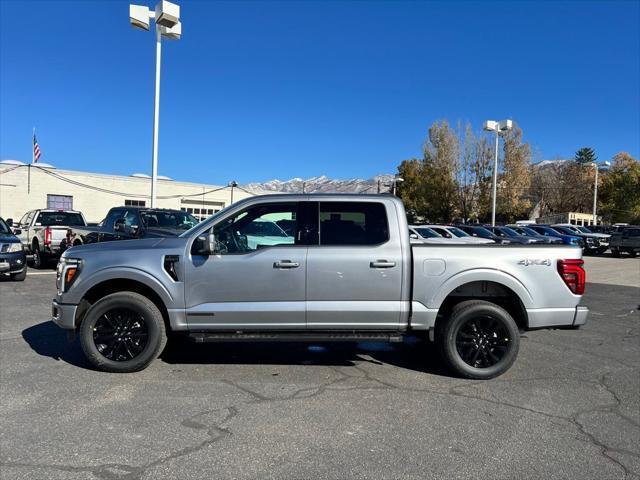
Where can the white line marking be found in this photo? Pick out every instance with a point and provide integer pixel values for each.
(29, 273)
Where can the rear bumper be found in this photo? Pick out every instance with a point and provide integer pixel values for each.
(557, 317)
(582, 313)
(64, 315)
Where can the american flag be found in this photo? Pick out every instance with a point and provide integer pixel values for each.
(36, 149)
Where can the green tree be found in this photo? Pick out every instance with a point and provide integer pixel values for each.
(441, 151)
(585, 155)
(515, 179)
(620, 192)
(411, 191)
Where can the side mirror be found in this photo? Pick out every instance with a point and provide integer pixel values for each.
(205, 245)
(119, 225)
(17, 231)
(413, 235)
(9, 222)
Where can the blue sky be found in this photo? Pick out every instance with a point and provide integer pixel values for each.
(261, 90)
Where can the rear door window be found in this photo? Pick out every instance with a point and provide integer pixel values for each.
(353, 223)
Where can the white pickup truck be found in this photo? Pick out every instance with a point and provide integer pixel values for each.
(345, 270)
(44, 231)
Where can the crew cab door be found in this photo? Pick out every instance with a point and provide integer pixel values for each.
(257, 277)
(355, 273)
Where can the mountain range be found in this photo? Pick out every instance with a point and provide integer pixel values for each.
(323, 184)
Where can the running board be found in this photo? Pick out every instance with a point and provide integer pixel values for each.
(206, 337)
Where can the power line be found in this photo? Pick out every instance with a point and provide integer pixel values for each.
(114, 192)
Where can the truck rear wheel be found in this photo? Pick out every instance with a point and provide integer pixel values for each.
(479, 340)
(122, 332)
(38, 261)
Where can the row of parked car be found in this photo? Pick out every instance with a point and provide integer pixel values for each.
(626, 240)
(42, 235)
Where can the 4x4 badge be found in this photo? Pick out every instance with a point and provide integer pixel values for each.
(535, 261)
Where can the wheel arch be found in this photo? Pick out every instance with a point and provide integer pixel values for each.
(493, 286)
(119, 284)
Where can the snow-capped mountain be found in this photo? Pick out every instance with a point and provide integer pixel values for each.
(323, 184)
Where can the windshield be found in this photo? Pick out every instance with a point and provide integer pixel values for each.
(528, 231)
(584, 230)
(457, 232)
(483, 232)
(263, 229)
(175, 219)
(509, 232)
(4, 228)
(215, 215)
(565, 230)
(427, 233)
(47, 219)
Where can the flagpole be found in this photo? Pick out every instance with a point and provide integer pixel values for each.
(33, 156)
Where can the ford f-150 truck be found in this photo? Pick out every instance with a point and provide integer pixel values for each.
(127, 223)
(348, 272)
(43, 232)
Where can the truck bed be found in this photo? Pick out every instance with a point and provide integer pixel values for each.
(528, 272)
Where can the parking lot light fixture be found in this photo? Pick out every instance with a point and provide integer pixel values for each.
(167, 22)
(396, 179)
(500, 127)
(232, 184)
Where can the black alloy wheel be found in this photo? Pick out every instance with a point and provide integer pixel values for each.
(120, 334)
(483, 341)
(479, 339)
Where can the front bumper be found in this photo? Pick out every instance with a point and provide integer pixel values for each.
(14, 262)
(63, 315)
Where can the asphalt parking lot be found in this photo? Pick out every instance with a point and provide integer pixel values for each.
(568, 408)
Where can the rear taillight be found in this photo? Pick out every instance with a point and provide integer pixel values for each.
(573, 275)
(47, 236)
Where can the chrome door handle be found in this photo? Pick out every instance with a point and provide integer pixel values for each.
(382, 264)
(285, 264)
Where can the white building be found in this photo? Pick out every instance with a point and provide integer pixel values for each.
(26, 187)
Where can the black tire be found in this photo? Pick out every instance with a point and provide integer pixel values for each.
(615, 252)
(20, 276)
(132, 331)
(479, 340)
(38, 260)
(632, 253)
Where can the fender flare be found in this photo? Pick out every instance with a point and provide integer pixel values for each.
(481, 275)
(126, 273)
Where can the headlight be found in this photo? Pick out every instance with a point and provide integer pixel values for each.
(67, 271)
(15, 247)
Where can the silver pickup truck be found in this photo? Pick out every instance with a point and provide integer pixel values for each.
(345, 271)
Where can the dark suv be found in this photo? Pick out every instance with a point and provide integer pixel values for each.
(13, 259)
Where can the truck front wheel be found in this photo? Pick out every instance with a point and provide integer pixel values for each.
(479, 340)
(122, 332)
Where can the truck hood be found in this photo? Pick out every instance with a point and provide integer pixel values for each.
(123, 245)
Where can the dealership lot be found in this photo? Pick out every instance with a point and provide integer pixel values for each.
(568, 408)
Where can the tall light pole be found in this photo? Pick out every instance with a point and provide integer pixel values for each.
(595, 190)
(232, 184)
(167, 20)
(502, 126)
